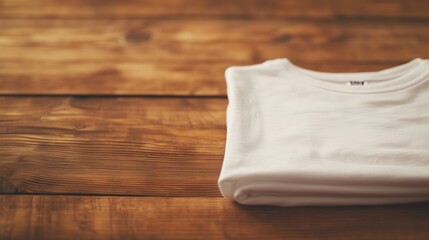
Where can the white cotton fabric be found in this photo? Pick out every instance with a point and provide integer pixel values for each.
(299, 137)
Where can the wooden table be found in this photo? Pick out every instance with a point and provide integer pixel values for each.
(112, 113)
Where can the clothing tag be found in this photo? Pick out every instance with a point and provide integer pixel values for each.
(357, 83)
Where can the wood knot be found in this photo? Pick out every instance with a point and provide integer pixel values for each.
(282, 38)
(137, 36)
(6, 186)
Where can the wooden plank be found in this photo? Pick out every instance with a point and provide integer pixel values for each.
(113, 78)
(416, 9)
(86, 217)
(124, 146)
(188, 57)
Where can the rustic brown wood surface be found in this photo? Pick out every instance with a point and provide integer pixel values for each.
(90, 217)
(187, 57)
(125, 146)
(414, 9)
(112, 114)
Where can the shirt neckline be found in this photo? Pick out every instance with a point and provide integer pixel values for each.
(386, 80)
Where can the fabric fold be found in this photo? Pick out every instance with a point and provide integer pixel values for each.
(299, 137)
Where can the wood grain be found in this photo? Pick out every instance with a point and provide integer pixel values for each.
(116, 146)
(187, 57)
(170, 149)
(416, 9)
(78, 217)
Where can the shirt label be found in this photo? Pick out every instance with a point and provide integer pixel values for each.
(357, 83)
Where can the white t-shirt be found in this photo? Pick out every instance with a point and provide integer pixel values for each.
(296, 136)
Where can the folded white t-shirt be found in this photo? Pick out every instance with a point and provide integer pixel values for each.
(296, 136)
